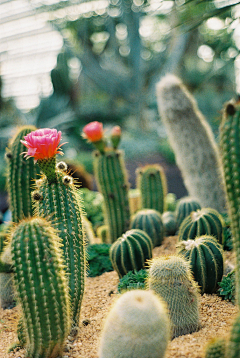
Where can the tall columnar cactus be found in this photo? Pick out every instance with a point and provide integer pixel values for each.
(111, 178)
(170, 277)
(184, 208)
(20, 176)
(137, 326)
(205, 256)
(152, 184)
(41, 287)
(150, 221)
(193, 142)
(57, 199)
(131, 251)
(206, 221)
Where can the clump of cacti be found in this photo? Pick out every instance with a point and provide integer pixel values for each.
(206, 221)
(205, 256)
(150, 221)
(184, 208)
(41, 287)
(57, 199)
(131, 251)
(21, 174)
(152, 184)
(193, 142)
(136, 326)
(170, 277)
(111, 178)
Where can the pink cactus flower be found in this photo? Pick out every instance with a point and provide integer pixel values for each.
(116, 131)
(42, 143)
(93, 131)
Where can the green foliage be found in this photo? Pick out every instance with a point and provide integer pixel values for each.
(98, 259)
(93, 206)
(227, 287)
(133, 280)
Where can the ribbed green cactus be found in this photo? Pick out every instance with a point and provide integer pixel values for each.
(152, 184)
(131, 251)
(41, 287)
(59, 201)
(205, 256)
(7, 298)
(137, 326)
(184, 208)
(111, 177)
(169, 223)
(216, 348)
(170, 277)
(150, 221)
(21, 175)
(206, 221)
(193, 142)
(234, 340)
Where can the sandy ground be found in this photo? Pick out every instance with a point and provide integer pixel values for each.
(216, 316)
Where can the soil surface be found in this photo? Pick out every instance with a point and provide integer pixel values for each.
(216, 317)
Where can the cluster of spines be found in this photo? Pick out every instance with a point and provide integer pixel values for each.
(131, 251)
(205, 256)
(112, 182)
(41, 287)
(152, 184)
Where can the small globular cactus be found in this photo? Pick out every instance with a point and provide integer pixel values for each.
(150, 221)
(152, 184)
(170, 277)
(169, 223)
(184, 208)
(216, 348)
(131, 251)
(41, 287)
(205, 256)
(136, 326)
(206, 221)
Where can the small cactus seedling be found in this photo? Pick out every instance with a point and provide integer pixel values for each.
(150, 221)
(205, 256)
(216, 348)
(21, 175)
(184, 208)
(137, 326)
(152, 184)
(206, 221)
(131, 251)
(41, 287)
(170, 277)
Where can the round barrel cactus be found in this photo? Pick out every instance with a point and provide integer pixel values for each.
(206, 221)
(131, 251)
(169, 223)
(205, 256)
(184, 207)
(150, 221)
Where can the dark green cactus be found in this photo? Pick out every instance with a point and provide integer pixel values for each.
(59, 200)
(234, 340)
(184, 208)
(169, 223)
(170, 277)
(41, 287)
(131, 251)
(152, 183)
(216, 348)
(205, 256)
(21, 175)
(206, 221)
(150, 221)
(112, 182)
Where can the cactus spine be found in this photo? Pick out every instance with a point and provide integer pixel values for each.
(184, 208)
(206, 221)
(112, 182)
(137, 326)
(21, 175)
(150, 221)
(205, 256)
(193, 142)
(41, 287)
(131, 251)
(59, 201)
(152, 184)
(170, 277)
